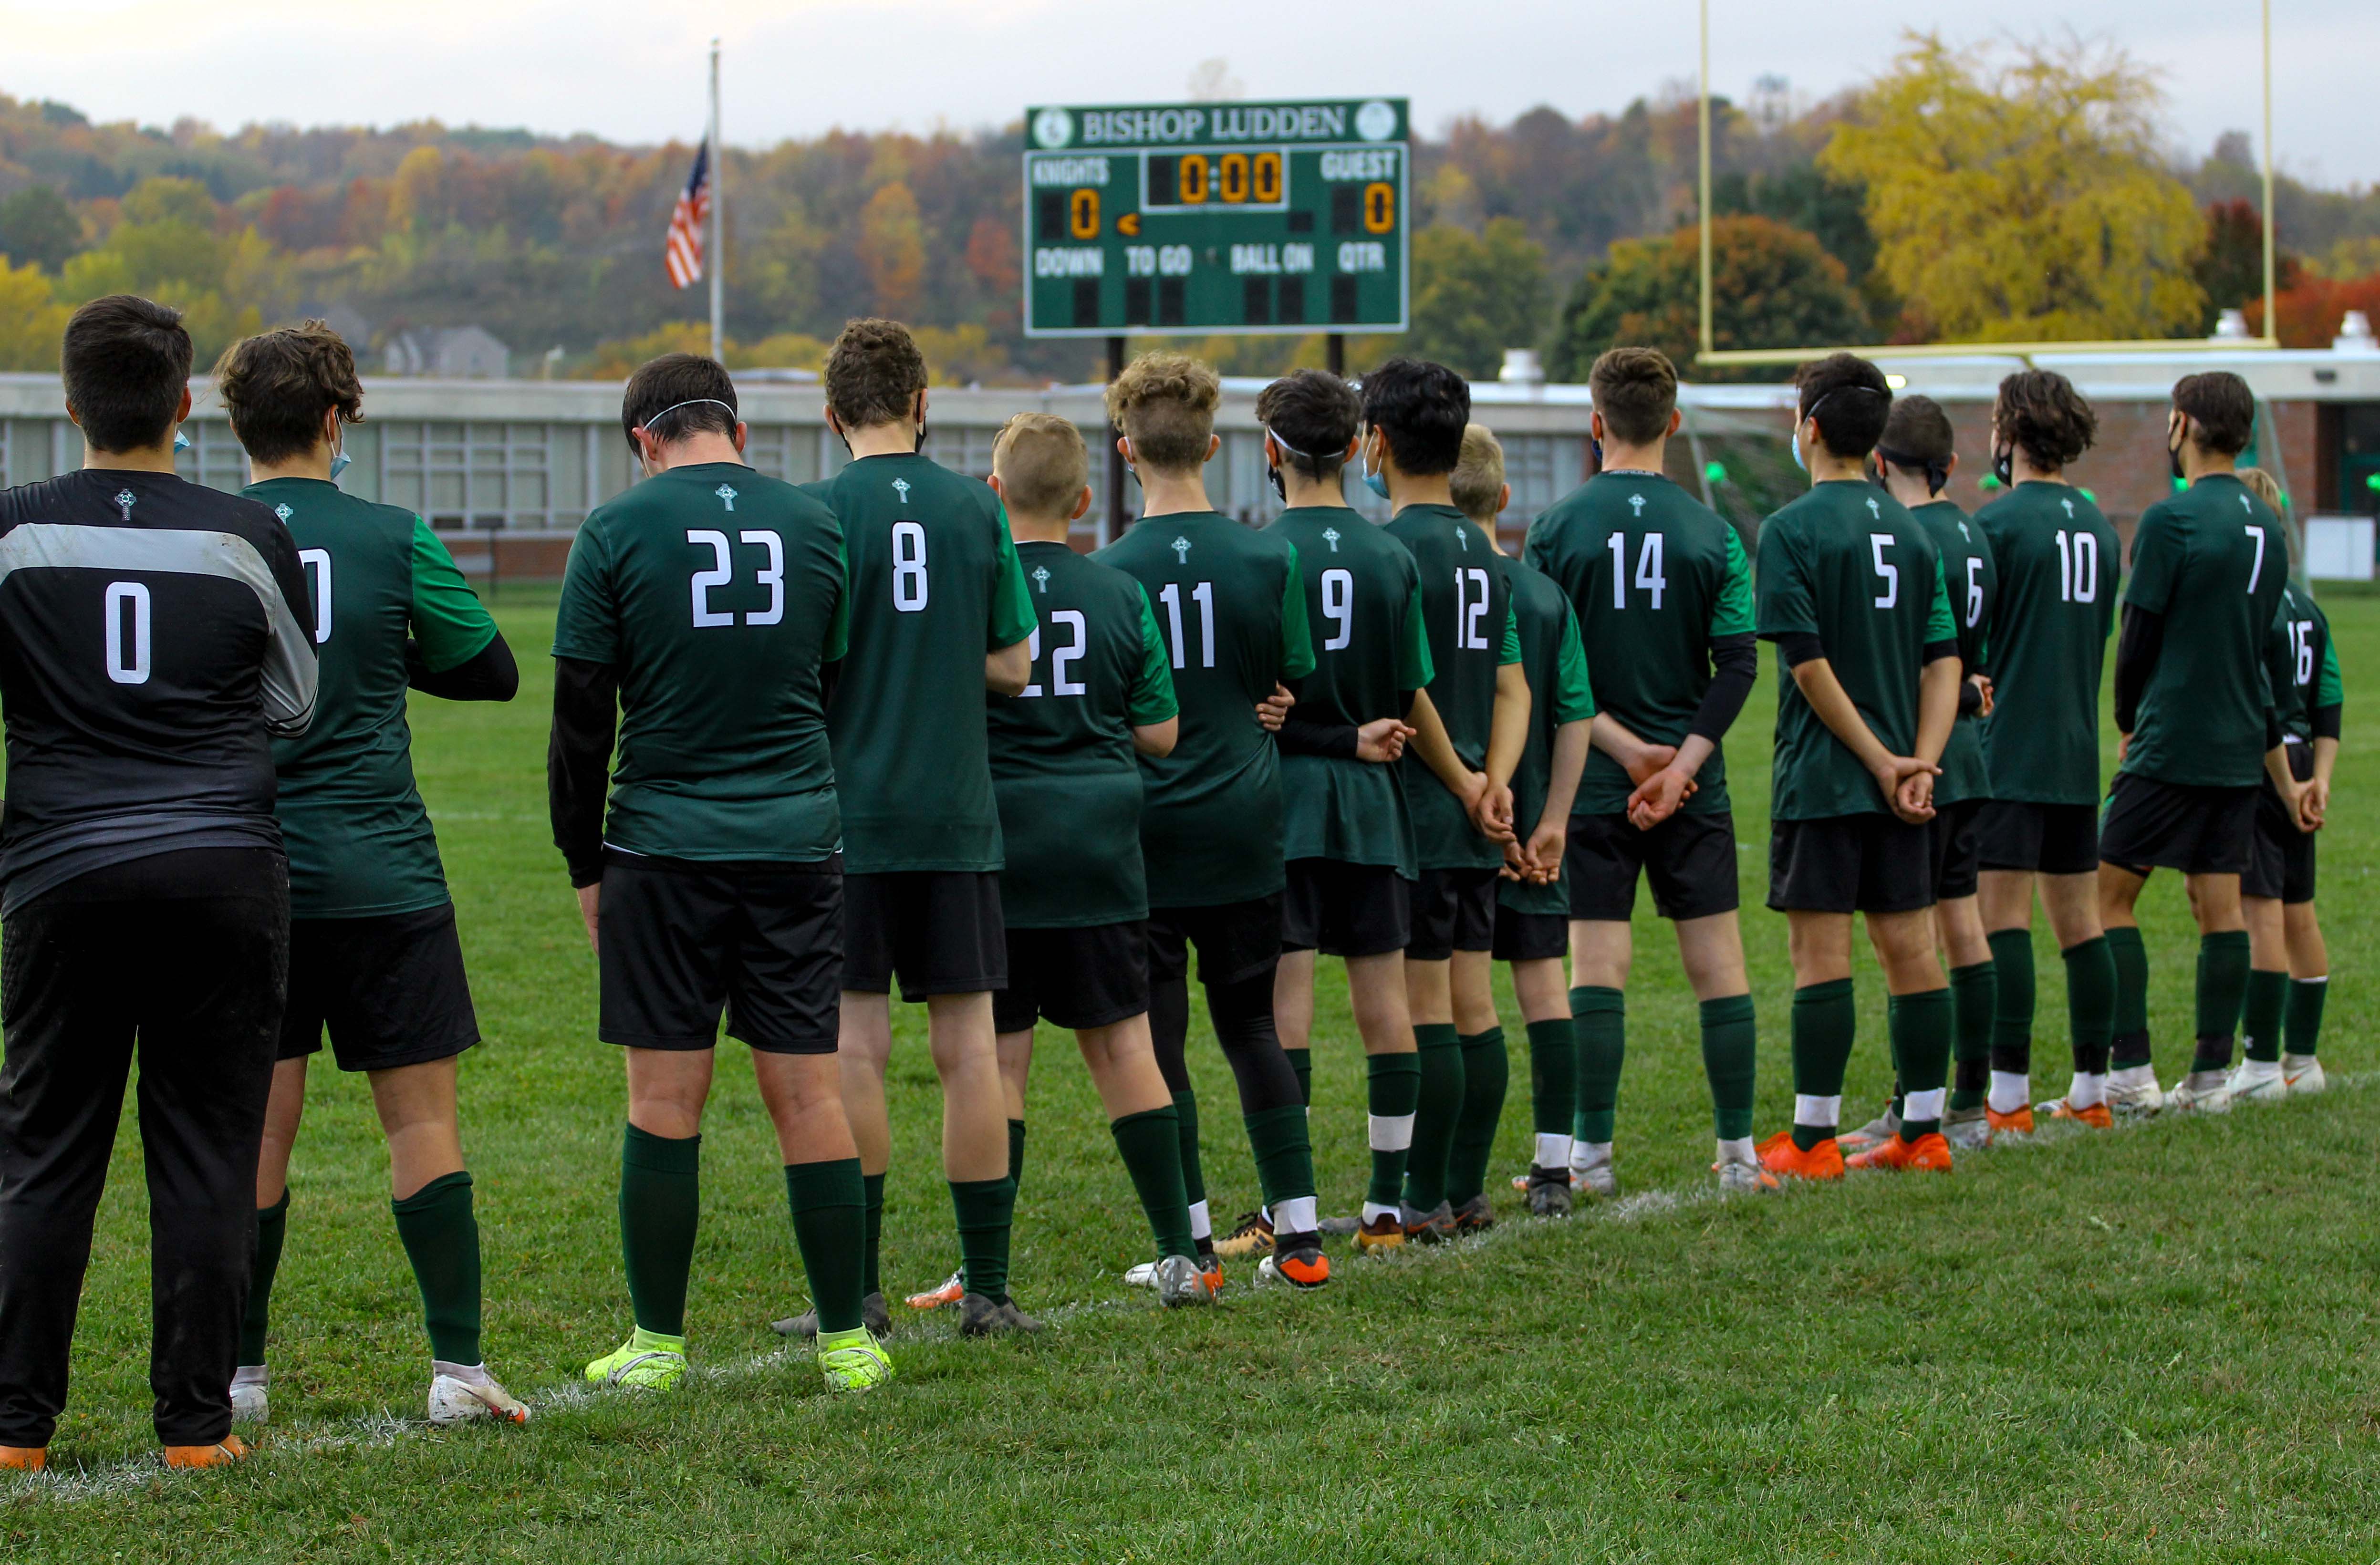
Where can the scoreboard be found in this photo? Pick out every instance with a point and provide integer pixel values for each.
(1216, 217)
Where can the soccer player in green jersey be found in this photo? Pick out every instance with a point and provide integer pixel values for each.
(1663, 596)
(940, 612)
(1348, 834)
(2059, 566)
(1232, 609)
(373, 954)
(2196, 715)
(1914, 461)
(1531, 903)
(1073, 896)
(2287, 964)
(704, 605)
(1414, 413)
(1851, 590)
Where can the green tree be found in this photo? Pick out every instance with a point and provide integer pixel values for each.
(31, 321)
(2025, 199)
(1771, 287)
(1476, 295)
(38, 227)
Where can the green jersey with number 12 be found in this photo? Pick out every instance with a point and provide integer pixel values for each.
(1466, 594)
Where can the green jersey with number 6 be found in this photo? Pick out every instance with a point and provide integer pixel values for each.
(2058, 567)
(2301, 663)
(1062, 765)
(1849, 564)
(1466, 594)
(1967, 571)
(934, 588)
(1559, 692)
(716, 593)
(2213, 561)
(1364, 606)
(1656, 578)
(1232, 609)
(359, 841)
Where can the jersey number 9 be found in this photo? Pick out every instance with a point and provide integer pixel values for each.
(1339, 607)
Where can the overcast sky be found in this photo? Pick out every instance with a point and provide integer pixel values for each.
(635, 72)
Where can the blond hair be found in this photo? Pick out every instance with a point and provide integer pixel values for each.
(1042, 465)
(1165, 404)
(2263, 486)
(1478, 476)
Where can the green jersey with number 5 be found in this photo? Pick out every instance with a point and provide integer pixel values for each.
(2058, 567)
(1968, 572)
(934, 588)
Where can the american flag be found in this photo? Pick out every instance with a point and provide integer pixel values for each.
(681, 252)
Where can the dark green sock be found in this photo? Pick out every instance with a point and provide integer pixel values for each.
(2129, 1042)
(2091, 1003)
(1391, 1091)
(1974, 999)
(1284, 1158)
(1553, 1076)
(272, 1227)
(1439, 1051)
(2012, 1045)
(1729, 1048)
(1185, 1111)
(1825, 1022)
(660, 1200)
(1301, 1063)
(2260, 1013)
(829, 1201)
(1150, 1145)
(986, 1209)
(872, 1193)
(441, 1239)
(1016, 1152)
(2305, 1013)
(1486, 1075)
(1922, 1026)
(1600, 1022)
(2222, 989)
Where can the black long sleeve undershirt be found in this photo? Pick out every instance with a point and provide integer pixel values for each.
(578, 762)
(1301, 735)
(2326, 721)
(489, 674)
(1735, 665)
(1971, 698)
(2137, 650)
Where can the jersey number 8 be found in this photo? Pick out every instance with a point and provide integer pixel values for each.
(909, 587)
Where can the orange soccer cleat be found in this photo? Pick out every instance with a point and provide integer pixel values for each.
(2098, 1116)
(24, 1458)
(1928, 1154)
(223, 1453)
(1779, 1156)
(2017, 1124)
(951, 1292)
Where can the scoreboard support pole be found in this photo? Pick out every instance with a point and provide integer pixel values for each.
(1335, 351)
(1113, 527)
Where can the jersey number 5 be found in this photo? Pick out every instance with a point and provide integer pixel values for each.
(1878, 543)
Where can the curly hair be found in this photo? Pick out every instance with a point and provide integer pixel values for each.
(2041, 414)
(1165, 404)
(277, 385)
(873, 373)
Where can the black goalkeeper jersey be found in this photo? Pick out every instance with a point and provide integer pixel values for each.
(153, 643)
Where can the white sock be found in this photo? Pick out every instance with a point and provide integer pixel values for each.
(1373, 1210)
(1391, 1133)
(1295, 1215)
(1200, 1227)
(2133, 1076)
(251, 1375)
(2088, 1091)
(1924, 1105)
(2011, 1090)
(1553, 1151)
(469, 1373)
(1737, 1151)
(1585, 1155)
(1819, 1113)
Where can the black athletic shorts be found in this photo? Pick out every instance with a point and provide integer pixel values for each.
(939, 931)
(390, 988)
(1529, 937)
(1236, 940)
(1873, 863)
(1957, 854)
(2280, 863)
(1690, 859)
(2037, 838)
(1345, 909)
(1085, 977)
(682, 938)
(2174, 826)
(1452, 910)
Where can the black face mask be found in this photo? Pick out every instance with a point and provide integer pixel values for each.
(2173, 451)
(2004, 466)
(1598, 452)
(1279, 489)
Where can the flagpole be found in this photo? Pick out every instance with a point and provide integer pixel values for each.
(718, 220)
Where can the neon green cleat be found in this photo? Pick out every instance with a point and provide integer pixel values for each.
(852, 1360)
(646, 1360)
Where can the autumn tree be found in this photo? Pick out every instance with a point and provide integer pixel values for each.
(39, 227)
(892, 248)
(2023, 199)
(31, 321)
(1476, 295)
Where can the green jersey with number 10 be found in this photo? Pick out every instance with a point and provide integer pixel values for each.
(2058, 567)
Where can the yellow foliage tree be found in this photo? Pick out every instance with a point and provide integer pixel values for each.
(2023, 199)
(31, 321)
(892, 248)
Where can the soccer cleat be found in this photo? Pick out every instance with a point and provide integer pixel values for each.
(1475, 1216)
(1970, 1130)
(1742, 1179)
(1929, 1153)
(1432, 1227)
(1548, 1190)
(2017, 1124)
(454, 1400)
(874, 1314)
(979, 1316)
(2201, 1092)
(1380, 1236)
(2257, 1081)
(223, 1453)
(853, 1361)
(1251, 1236)
(950, 1292)
(2303, 1074)
(646, 1362)
(1339, 1227)
(24, 1458)
(1876, 1132)
(2098, 1116)
(1597, 1180)
(1015, 1319)
(248, 1402)
(1299, 1261)
(2134, 1102)
(1780, 1157)
(1144, 1274)
(1179, 1282)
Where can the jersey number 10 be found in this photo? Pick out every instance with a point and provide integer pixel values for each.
(2078, 568)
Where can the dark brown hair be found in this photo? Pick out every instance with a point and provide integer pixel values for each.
(1635, 389)
(1312, 414)
(2223, 408)
(1165, 404)
(2040, 413)
(874, 373)
(1857, 399)
(126, 361)
(688, 388)
(1422, 408)
(1917, 434)
(276, 386)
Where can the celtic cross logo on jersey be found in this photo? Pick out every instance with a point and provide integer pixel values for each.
(1330, 537)
(2245, 506)
(124, 499)
(1873, 511)
(283, 511)
(1182, 549)
(1041, 574)
(1636, 505)
(2070, 508)
(901, 488)
(1462, 539)
(727, 494)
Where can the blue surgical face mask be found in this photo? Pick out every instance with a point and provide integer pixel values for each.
(339, 460)
(1795, 446)
(1377, 482)
(181, 442)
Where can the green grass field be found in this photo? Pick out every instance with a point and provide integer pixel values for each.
(2155, 1343)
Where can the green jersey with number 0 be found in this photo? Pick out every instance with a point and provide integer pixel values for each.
(1466, 594)
(1968, 572)
(1559, 692)
(716, 593)
(934, 588)
(1848, 563)
(2059, 567)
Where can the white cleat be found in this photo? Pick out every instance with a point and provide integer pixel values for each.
(2257, 1081)
(1736, 1178)
(2135, 1100)
(1597, 1181)
(1142, 1275)
(1179, 1282)
(453, 1401)
(248, 1403)
(2302, 1072)
(1874, 1134)
(2201, 1092)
